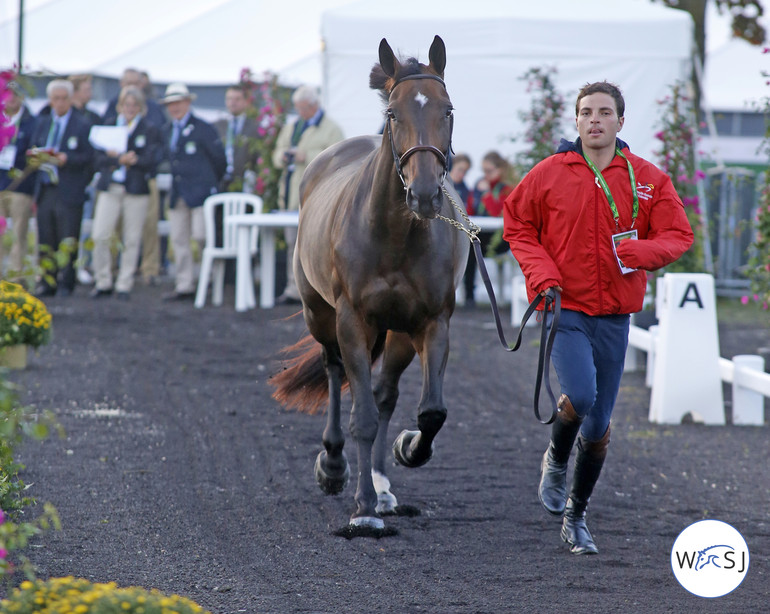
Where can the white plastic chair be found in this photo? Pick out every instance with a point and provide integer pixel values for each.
(215, 253)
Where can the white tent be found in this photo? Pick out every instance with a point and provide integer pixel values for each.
(199, 42)
(736, 76)
(642, 47)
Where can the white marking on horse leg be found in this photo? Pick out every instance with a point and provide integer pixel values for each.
(421, 98)
(386, 500)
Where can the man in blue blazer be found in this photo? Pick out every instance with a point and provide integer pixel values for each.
(17, 204)
(197, 159)
(60, 188)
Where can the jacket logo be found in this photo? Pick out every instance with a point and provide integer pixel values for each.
(644, 191)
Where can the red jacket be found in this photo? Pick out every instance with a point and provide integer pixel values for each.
(559, 225)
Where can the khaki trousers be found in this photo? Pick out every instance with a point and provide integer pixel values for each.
(150, 266)
(18, 207)
(186, 225)
(111, 206)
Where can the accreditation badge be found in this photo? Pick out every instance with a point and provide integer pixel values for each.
(140, 140)
(616, 239)
(7, 157)
(72, 142)
(190, 148)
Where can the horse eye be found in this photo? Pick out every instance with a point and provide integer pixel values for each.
(449, 112)
(391, 114)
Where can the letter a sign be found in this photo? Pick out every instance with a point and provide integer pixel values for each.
(686, 378)
(691, 295)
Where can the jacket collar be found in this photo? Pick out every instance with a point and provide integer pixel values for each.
(577, 146)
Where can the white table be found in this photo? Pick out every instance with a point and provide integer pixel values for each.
(268, 223)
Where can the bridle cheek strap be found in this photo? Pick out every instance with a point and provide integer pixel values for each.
(399, 161)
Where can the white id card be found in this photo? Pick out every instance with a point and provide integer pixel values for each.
(616, 239)
(7, 157)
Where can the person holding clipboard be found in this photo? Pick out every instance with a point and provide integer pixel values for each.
(126, 163)
(588, 222)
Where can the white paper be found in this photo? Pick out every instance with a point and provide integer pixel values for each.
(616, 239)
(109, 138)
(7, 157)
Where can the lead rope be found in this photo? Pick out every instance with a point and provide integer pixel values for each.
(552, 300)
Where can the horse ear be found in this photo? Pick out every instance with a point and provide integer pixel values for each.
(437, 56)
(387, 59)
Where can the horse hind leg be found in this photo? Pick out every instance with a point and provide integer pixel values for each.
(332, 471)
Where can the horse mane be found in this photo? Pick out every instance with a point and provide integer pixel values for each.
(378, 80)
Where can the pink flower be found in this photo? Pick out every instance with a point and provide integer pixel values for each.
(3, 228)
(745, 300)
(3, 553)
(690, 201)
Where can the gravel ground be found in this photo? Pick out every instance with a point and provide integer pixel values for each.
(178, 471)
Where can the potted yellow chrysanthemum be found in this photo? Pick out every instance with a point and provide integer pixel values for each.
(24, 321)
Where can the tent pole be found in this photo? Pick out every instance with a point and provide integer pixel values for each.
(21, 36)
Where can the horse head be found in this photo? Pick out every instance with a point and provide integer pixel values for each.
(418, 123)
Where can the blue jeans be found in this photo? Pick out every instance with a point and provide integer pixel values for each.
(588, 355)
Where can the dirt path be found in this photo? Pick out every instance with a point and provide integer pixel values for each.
(179, 472)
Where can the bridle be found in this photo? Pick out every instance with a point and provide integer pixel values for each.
(399, 161)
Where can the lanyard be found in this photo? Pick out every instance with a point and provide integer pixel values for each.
(608, 194)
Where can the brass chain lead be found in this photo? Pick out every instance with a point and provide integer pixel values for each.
(472, 231)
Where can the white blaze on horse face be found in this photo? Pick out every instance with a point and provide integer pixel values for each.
(421, 99)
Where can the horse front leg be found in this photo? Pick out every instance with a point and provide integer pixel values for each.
(397, 356)
(332, 471)
(356, 340)
(415, 448)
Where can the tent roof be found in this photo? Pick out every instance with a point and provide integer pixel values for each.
(199, 41)
(542, 29)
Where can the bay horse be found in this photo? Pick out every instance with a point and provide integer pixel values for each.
(377, 275)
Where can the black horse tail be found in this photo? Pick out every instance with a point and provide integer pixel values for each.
(303, 384)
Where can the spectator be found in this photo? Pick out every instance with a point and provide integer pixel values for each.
(298, 143)
(150, 258)
(124, 194)
(578, 227)
(131, 76)
(81, 95)
(16, 204)
(198, 163)
(488, 197)
(60, 188)
(235, 132)
(82, 90)
(460, 165)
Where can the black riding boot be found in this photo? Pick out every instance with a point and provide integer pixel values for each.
(552, 491)
(588, 466)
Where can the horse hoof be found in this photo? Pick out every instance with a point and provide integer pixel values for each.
(332, 483)
(386, 503)
(403, 452)
(370, 522)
